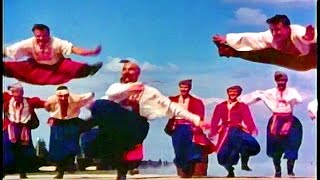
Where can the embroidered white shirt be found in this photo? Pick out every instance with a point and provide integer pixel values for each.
(19, 113)
(76, 102)
(261, 40)
(152, 104)
(50, 55)
(276, 101)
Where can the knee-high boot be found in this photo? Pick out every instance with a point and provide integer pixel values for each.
(290, 166)
(277, 166)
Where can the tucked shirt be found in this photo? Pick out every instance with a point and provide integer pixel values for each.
(276, 101)
(75, 103)
(55, 50)
(152, 104)
(262, 40)
(183, 103)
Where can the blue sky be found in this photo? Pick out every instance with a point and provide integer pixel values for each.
(171, 40)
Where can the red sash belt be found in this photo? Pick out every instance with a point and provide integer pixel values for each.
(182, 121)
(285, 120)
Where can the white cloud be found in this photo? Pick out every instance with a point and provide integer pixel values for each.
(113, 65)
(249, 16)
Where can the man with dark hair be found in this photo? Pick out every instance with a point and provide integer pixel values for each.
(285, 45)
(284, 130)
(232, 127)
(65, 124)
(46, 63)
(190, 144)
(19, 119)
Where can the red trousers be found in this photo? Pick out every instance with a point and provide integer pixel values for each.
(31, 72)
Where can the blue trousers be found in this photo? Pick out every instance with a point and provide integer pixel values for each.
(289, 144)
(237, 142)
(119, 131)
(186, 151)
(64, 140)
(18, 158)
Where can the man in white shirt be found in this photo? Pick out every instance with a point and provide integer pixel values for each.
(46, 63)
(285, 45)
(65, 124)
(121, 129)
(284, 130)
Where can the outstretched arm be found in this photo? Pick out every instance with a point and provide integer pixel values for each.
(245, 41)
(86, 52)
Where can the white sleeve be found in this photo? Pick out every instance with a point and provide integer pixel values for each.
(118, 92)
(313, 107)
(19, 50)
(249, 41)
(299, 31)
(64, 46)
(155, 105)
(251, 98)
(295, 96)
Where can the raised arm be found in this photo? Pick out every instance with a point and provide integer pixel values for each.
(86, 52)
(251, 98)
(245, 41)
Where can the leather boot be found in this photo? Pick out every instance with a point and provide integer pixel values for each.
(244, 163)
(290, 166)
(277, 166)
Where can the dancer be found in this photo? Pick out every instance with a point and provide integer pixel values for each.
(190, 144)
(120, 129)
(284, 130)
(290, 46)
(233, 138)
(65, 126)
(19, 119)
(46, 63)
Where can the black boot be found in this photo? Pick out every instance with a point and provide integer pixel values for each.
(230, 171)
(277, 166)
(244, 163)
(290, 166)
(122, 171)
(95, 68)
(23, 176)
(60, 172)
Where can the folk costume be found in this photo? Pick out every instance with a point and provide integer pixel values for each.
(45, 65)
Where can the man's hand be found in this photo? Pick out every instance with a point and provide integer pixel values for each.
(47, 106)
(205, 125)
(309, 36)
(254, 132)
(311, 115)
(218, 39)
(96, 51)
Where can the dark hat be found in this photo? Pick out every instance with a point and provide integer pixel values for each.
(16, 85)
(278, 75)
(62, 87)
(186, 82)
(236, 87)
(124, 61)
(62, 90)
